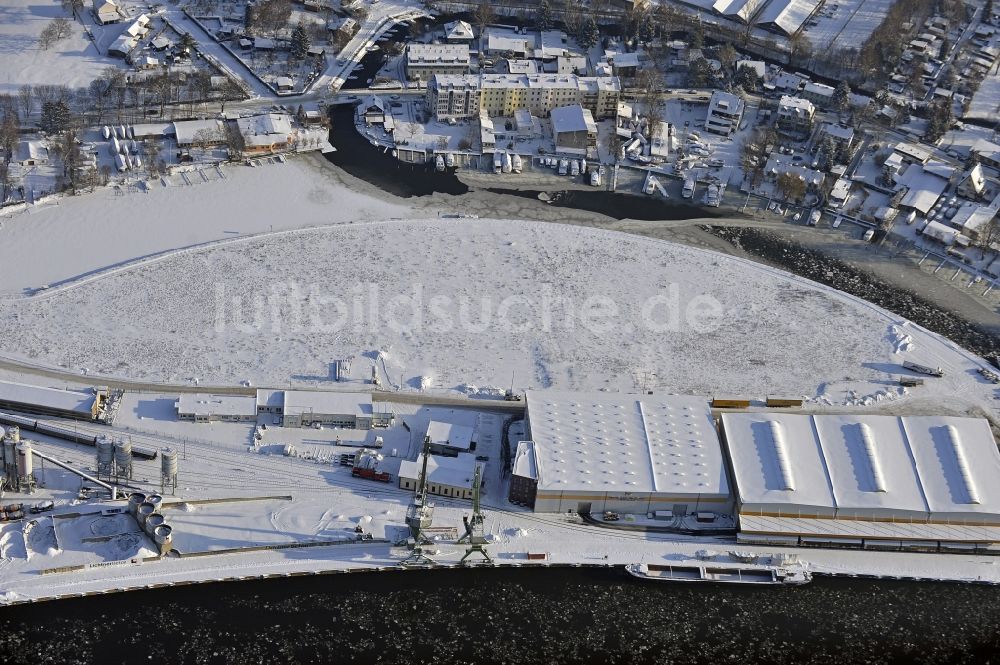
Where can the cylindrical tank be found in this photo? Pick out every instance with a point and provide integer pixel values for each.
(9, 453)
(24, 462)
(154, 520)
(123, 455)
(163, 538)
(105, 454)
(156, 500)
(168, 462)
(135, 499)
(143, 511)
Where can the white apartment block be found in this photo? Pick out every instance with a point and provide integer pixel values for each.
(426, 60)
(725, 111)
(503, 94)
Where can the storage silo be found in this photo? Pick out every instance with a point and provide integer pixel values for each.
(143, 512)
(105, 457)
(25, 468)
(135, 499)
(155, 500)
(163, 538)
(168, 469)
(154, 520)
(123, 459)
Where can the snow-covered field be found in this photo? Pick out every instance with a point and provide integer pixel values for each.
(74, 61)
(462, 304)
(112, 226)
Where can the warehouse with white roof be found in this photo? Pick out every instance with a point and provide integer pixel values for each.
(592, 452)
(879, 482)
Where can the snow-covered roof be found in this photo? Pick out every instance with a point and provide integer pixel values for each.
(743, 9)
(309, 402)
(505, 39)
(840, 190)
(925, 188)
(787, 15)
(850, 465)
(437, 54)
(451, 471)
(794, 105)
(49, 398)
(516, 66)
(615, 442)
(185, 130)
(625, 60)
(145, 130)
(838, 131)
(458, 30)
(913, 151)
(451, 435)
(573, 118)
(940, 232)
(524, 460)
(270, 399)
(32, 150)
(274, 125)
(202, 404)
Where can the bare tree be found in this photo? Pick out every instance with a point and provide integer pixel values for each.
(26, 95)
(989, 235)
(483, 15)
(54, 32)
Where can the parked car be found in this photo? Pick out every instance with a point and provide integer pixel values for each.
(869, 234)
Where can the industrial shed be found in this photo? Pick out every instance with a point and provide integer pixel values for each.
(204, 408)
(78, 405)
(878, 482)
(627, 453)
(446, 476)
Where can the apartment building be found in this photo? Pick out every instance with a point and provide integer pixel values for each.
(454, 97)
(725, 111)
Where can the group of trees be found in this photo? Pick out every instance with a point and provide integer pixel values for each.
(54, 32)
(267, 17)
(939, 119)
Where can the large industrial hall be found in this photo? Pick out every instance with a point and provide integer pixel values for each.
(591, 452)
(880, 482)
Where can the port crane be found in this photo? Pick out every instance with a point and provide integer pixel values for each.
(475, 532)
(420, 516)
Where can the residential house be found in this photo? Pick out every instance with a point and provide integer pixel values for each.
(973, 186)
(106, 11)
(795, 115)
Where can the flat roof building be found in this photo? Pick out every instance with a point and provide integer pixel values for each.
(78, 405)
(574, 130)
(864, 480)
(629, 453)
(725, 110)
(425, 60)
(450, 438)
(205, 408)
(303, 408)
